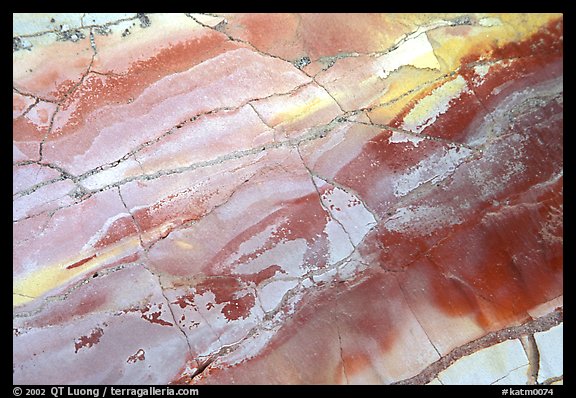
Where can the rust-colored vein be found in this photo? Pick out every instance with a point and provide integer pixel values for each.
(81, 262)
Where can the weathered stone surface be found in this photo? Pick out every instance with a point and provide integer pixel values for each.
(288, 198)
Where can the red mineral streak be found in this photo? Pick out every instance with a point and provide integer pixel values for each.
(81, 262)
(519, 67)
(301, 218)
(110, 86)
(264, 274)
(89, 303)
(88, 341)
(170, 103)
(181, 253)
(400, 249)
(123, 86)
(225, 290)
(382, 161)
(106, 295)
(184, 301)
(118, 230)
(163, 212)
(120, 87)
(161, 207)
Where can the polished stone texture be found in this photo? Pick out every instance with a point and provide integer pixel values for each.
(287, 199)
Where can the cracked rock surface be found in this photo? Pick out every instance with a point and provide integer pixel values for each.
(288, 198)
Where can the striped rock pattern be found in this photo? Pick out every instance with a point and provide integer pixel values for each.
(279, 198)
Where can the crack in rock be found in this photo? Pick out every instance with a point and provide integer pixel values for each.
(536, 325)
(533, 354)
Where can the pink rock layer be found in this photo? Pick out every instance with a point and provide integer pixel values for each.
(213, 214)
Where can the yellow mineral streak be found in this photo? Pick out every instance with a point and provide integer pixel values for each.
(404, 86)
(35, 284)
(429, 107)
(301, 110)
(484, 35)
(184, 245)
(489, 30)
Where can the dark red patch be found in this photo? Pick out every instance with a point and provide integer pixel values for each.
(154, 317)
(185, 301)
(225, 290)
(88, 341)
(239, 308)
(503, 261)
